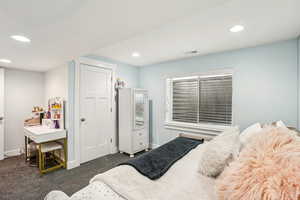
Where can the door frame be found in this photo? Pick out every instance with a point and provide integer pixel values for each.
(2, 106)
(77, 133)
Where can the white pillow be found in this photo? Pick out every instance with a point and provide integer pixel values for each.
(217, 153)
(280, 124)
(249, 132)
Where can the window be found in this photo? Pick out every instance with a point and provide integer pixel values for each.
(200, 100)
(185, 100)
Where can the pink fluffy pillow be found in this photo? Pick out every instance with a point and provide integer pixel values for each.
(268, 169)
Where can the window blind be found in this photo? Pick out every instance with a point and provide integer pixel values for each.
(185, 100)
(215, 104)
(202, 100)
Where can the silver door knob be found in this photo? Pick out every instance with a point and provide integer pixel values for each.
(82, 119)
(1, 118)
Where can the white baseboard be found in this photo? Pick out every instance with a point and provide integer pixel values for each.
(114, 150)
(72, 164)
(154, 146)
(14, 152)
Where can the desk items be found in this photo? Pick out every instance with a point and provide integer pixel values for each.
(37, 115)
(55, 113)
(46, 131)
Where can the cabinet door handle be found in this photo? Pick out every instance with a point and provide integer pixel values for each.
(140, 134)
(141, 143)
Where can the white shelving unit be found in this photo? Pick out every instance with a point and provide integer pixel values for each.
(133, 120)
(56, 106)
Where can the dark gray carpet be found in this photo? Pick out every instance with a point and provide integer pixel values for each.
(19, 181)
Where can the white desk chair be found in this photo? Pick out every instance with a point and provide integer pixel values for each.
(51, 147)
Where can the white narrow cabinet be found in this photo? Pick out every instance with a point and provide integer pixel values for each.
(133, 120)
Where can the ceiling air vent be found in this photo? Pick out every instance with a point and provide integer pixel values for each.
(192, 52)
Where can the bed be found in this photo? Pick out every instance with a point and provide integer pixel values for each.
(235, 159)
(181, 181)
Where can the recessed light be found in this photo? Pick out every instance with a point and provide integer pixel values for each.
(237, 28)
(135, 54)
(20, 38)
(5, 60)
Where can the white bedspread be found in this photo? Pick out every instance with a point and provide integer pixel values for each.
(182, 182)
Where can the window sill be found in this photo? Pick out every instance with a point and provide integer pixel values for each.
(207, 129)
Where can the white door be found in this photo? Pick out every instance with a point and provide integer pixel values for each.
(1, 114)
(96, 118)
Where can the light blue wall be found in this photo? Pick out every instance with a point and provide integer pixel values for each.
(265, 85)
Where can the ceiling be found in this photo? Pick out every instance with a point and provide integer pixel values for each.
(61, 30)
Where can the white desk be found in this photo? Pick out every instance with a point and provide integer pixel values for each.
(41, 134)
(44, 134)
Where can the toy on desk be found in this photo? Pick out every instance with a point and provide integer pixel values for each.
(36, 117)
(32, 121)
(37, 109)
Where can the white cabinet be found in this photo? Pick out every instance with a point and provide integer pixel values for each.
(133, 120)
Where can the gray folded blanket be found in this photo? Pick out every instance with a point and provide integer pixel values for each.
(156, 163)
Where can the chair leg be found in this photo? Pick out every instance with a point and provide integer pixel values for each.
(26, 142)
(40, 159)
(43, 161)
(65, 153)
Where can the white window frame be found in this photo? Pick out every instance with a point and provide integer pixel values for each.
(202, 128)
